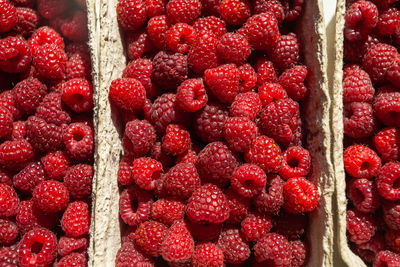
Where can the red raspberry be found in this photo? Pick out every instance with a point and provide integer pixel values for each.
(29, 217)
(38, 247)
(50, 61)
(387, 106)
(296, 163)
(200, 210)
(141, 70)
(360, 18)
(127, 93)
(141, 135)
(389, 22)
(391, 215)
(150, 236)
(248, 180)
(146, 172)
(363, 194)
(270, 200)
(248, 78)
(168, 210)
(357, 86)
(292, 80)
(75, 27)
(239, 133)
(189, 157)
(273, 6)
(180, 37)
(28, 94)
(8, 232)
(78, 94)
(155, 7)
(205, 231)
(129, 254)
(386, 257)
(186, 11)
(15, 56)
(359, 120)
(216, 163)
(156, 29)
(361, 161)
(125, 171)
(360, 227)
(293, 9)
(50, 9)
(7, 101)
(387, 180)
(55, 164)
(261, 31)
(78, 180)
(176, 140)
(246, 105)
(79, 141)
(292, 226)
(29, 177)
(169, 69)
(255, 225)
(287, 51)
(207, 254)
(300, 253)
(387, 143)
(18, 130)
(79, 66)
(131, 15)
(392, 239)
(191, 95)
(68, 245)
(367, 251)
(266, 72)
(50, 196)
(212, 24)
(76, 219)
(73, 259)
(178, 245)
(52, 111)
(233, 48)
(77, 48)
(15, 154)
(300, 195)
(378, 60)
(137, 44)
(203, 53)
(265, 153)
(6, 122)
(270, 92)
(223, 81)
(9, 16)
(45, 35)
(9, 256)
(235, 12)
(209, 122)
(273, 249)
(235, 248)
(210, 7)
(238, 205)
(135, 206)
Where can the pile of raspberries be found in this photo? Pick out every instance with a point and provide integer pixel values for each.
(46, 131)
(371, 98)
(213, 171)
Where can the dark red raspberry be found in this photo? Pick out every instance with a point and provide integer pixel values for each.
(300, 253)
(287, 51)
(207, 254)
(266, 72)
(363, 194)
(168, 210)
(125, 171)
(270, 92)
(247, 105)
(78, 180)
(29, 217)
(79, 141)
(223, 81)
(137, 44)
(389, 22)
(15, 55)
(186, 11)
(45, 35)
(180, 37)
(391, 215)
(292, 80)
(135, 205)
(52, 111)
(146, 172)
(9, 16)
(292, 226)
(387, 143)
(191, 95)
(248, 78)
(273, 6)
(68, 245)
(50, 61)
(28, 94)
(73, 259)
(156, 29)
(130, 254)
(127, 93)
(50, 9)
(296, 163)
(176, 140)
(235, 248)
(8, 232)
(203, 53)
(37, 247)
(8, 201)
(216, 163)
(15, 154)
(149, 237)
(169, 69)
(261, 31)
(238, 205)
(29, 177)
(78, 94)
(248, 180)
(387, 180)
(233, 48)
(155, 7)
(6, 122)
(255, 225)
(55, 164)
(235, 12)
(265, 153)
(378, 60)
(240, 132)
(79, 66)
(293, 9)
(50, 196)
(211, 24)
(273, 249)
(7, 101)
(131, 14)
(392, 239)
(208, 205)
(360, 227)
(75, 27)
(75, 221)
(141, 136)
(300, 195)
(357, 86)
(209, 122)
(386, 258)
(360, 18)
(387, 106)
(270, 200)
(367, 251)
(361, 161)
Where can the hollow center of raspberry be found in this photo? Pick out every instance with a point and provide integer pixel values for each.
(36, 248)
(364, 166)
(249, 183)
(134, 205)
(394, 114)
(78, 136)
(358, 195)
(155, 175)
(396, 184)
(293, 162)
(76, 98)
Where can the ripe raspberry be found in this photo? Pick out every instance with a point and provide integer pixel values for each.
(387, 180)
(45, 35)
(189, 157)
(261, 31)
(392, 240)
(361, 161)
(38, 247)
(141, 136)
(292, 80)
(6, 176)
(191, 95)
(207, 254)
(29, 177)
(78, 94)
(135, 206)
(9, 16)
(386, 257)
(300, 195)
(357, 86)
(50, 61)
(155, 7)
(223, 81)
(265, 153)
(75, 27)
(52, 110)
(235, 248)
(78, 180)
(7, 101)
(203, 53)
(211, 24)
(389, 22)
(209, 122)
(50, 9)
(8, 201)
(6, 122)
(168, 210)
(131, 15)
(77, 48)
(18, 130)
(15, 55)
(202, 209)
(273, 249)
(387, 143)
(255, 225)
(169, 69)
(178, 245)
(270, 92)
(186, 11)
(55, 164)
(176, 140)
(79, 66)
(127, 93)
(239, 133)
(73, 259)
(248, 180)
(50, 196)
(79, 141)
(273, 6)
(124, 175)
(248, 78)
(29, 217)
(293, 9)
(387, 107)
(9, 256)
(238, 206)
(68, 245)
(296, 163)
(270, 200)
(292, 226)
(156, 29)
(360, 227)
(235, 12)
(15, 154)
(76, 219)
(287, 52)
(8, 232)
(266, 72)
(233, 47)
(129, 254)
(391, 215)
(150, 236)
(180, 37)
(300, 253)
(28, 94)
(137, 44)
(216, 163)
(146, 172)
(158, 154)
(360, 18)
(367, 251)
(363, 194)
(246, 105)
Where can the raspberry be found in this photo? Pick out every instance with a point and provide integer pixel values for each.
(292, 226)
(300, 195)
(265, 153)
(8, 232)
(168, 210)
(248, 180)
(176, 140)
(238, 205)
(387, 107)
(236, 250)
(357, 86)
(266, 72)
(270, 200)
(363, 194)
(52, 111)
(389, 22)
(8, 17)
(216, 163)
(378, 60)
(79, 141)
(77, 48)
(158, 154)
(156, 29)
(29, 217)
(79, 66)
(23, 3)
(9, 256)
(233, 48)
(392, 240)
(29, 252)
(45, 35)
(210, 7)
(212, 24)
(150, 236)
(300, 253)
(239, 133)
(223, 81)
(386, 257)
(360, 18)
(205, 231)
(393, 72)
(127, 93)
(78, 94)
(141, 135)
(387, 180)
(50, 61)
(207, 254)
(270, 92)
(296, 163)
(78, 180)
(191, 95)
(273, 249)
(248, 78)
(130, 254)
(246, 105)
(146, 172)
(367, 251)
(203, 53)
(131, 15)
(15, 56)
(235, 12)
(7, 101)
(178, 245)
(189, 157)
(287, 51)
(125, 171)
(261, 30)
(18, 130)
(68, 245)
(180, 37)
(5, 176)
(169, 69)
(134, 206)
(255, 225)
(29, 177)
(141, 70)
(360, 227)
(185, 11)
(15, 154)
(75, 28)
(293, 9)
(50, 9)
(6, 122)
(209, 122)
(55, 164)
(73, 259)
(391, 215)
(292, 80)
(361, 161)
(137, 44)
(76, 219)
(202, 209)
(155, 7)
(50, 196)
(28, 94)
(273, 6)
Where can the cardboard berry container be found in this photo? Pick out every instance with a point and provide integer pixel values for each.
(109, 60)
